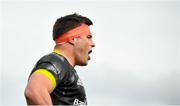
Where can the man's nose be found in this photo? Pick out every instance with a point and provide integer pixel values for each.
(92, 44)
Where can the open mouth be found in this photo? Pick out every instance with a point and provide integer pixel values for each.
(89, 51)
(88, 54)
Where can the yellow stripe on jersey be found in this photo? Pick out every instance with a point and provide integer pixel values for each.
(57, 51)
(48, 74)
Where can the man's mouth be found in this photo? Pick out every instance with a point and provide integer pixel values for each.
(88, 54)
(89, 51)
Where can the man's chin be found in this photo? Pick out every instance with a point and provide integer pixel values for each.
(83, 64)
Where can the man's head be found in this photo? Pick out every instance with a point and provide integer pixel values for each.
(67, 23)
(74, 30)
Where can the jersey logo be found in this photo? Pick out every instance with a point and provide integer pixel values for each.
(77, 102)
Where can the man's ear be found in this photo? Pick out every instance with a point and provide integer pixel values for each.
(72, 42)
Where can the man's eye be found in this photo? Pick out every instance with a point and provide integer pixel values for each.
(89, 37)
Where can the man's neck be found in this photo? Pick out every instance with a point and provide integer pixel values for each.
(66, 53)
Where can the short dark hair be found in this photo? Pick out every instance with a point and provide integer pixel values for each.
(68, 22)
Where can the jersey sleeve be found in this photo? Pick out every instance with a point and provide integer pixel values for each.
(48, 74)
(48, 70)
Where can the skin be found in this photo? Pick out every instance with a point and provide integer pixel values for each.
(38, 89)
(82, 46)
(76, 51)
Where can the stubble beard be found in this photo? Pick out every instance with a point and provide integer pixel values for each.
(81, 60)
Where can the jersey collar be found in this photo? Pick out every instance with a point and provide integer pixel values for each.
(57, 51)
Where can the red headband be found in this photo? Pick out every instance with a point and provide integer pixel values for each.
(74, 33)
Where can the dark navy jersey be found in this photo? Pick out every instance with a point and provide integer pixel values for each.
(68, 89)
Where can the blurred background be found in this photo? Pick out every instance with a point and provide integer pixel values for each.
(136, 60)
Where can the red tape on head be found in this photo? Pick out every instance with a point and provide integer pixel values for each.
(74, 33)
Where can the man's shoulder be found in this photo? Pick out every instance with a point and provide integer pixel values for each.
(51, 60)
(52, 57)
